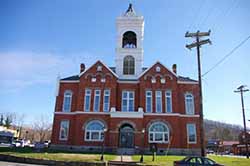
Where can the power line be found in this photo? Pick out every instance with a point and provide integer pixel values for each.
(226, 56)
(210, 11)
(217, 27)
(197, 15)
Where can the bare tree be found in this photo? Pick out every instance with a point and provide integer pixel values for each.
(18, 122)
(7, 119)
(42, 126)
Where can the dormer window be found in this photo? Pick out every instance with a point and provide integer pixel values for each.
(129, 40)
(129, 65)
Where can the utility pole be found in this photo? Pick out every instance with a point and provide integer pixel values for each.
(241, 89)
(198, 43)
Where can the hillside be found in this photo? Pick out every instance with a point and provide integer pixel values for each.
(222, 131)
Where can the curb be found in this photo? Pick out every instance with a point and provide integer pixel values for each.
(26, 160)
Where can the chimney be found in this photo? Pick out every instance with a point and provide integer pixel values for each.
(174, 68)
(82, 67)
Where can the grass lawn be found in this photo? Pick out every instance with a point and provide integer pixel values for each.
(55, 155)
(168, 160)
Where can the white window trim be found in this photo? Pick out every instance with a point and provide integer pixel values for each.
(155, 132)
(60, 136)
(97, 95)
(156, 108)
(91, 131)
(109, 92)
(64, 96)
(186, 105)
(129, 65)
(192, 142)
(151, 109)
(166, 96)
(85, 100)
(127, 109)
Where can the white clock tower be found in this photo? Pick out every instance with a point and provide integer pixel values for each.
(129, 47)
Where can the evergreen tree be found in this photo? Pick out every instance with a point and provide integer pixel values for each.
(1, 120)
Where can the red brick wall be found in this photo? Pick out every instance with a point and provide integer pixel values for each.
(176, 124)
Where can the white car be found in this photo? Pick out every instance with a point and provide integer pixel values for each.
(18, 144)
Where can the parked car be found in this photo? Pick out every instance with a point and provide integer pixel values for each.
(46, 143)
(210, 151)
(18, 144)
(196, 161)
(39, 145)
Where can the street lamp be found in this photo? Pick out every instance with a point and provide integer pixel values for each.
(104, 130)
(142, 149)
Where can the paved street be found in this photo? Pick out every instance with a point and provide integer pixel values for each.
(2, 163)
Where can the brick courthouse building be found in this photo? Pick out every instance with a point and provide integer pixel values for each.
(127, 107)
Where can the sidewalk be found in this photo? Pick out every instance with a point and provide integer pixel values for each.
(124, 158)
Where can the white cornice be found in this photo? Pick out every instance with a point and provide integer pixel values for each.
(81, 112)
(128, 81)
(170, 114)
(119, 114)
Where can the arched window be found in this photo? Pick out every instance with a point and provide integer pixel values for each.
(129, 40)
(158, 133)
(94, 131)
(67, 101)
(129, 65)
(189, 103)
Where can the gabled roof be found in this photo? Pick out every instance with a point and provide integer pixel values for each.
(103, 65)
(71, 78)
(147, 69)
(144, 70)
(186, 79)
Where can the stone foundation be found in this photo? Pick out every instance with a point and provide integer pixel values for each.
(98, 149)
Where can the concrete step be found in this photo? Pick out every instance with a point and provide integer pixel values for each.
(125, 151)
(119, 163)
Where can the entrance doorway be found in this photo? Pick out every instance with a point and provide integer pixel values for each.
(126, 139)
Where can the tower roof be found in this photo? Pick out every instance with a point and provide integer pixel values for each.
(130, 11)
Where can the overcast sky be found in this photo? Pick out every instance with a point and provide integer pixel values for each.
(41, 39)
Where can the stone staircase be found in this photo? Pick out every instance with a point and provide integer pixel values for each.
(125, 151)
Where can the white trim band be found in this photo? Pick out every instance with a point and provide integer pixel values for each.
(119, 114)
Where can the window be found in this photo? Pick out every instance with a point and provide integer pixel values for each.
(129, 40)
(158, 101)
(67, 101)
(64, 130)
(189, 103)
(208, 161)
(148, 101)
(158, 69)
(191, 133)
(168, 101)
(97, 100)
(106, 98)
(158, 133)
(129, 65)
(94, 131)
(87, 100)
(99, 68)
(128, 101)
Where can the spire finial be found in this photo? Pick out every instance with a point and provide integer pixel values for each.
(130, 8)
(130, 11)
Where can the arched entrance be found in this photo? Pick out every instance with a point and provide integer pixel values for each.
(126, 136)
